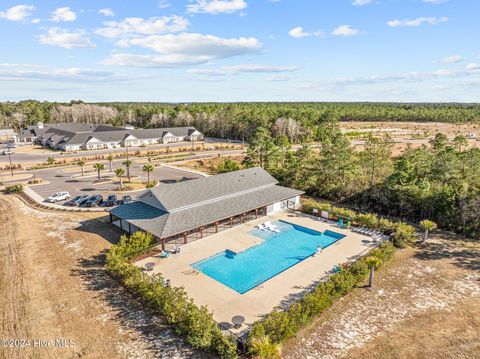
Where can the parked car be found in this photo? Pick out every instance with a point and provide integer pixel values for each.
(126, 199)
(58, 197)
(77, 200)
(11, 145)
(94, 201)
(111, 200)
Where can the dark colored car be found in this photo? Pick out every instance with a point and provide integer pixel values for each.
(127, 199)
(111, 200)
(94, 201)
(77, 200)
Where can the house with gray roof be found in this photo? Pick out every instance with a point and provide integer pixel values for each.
(185, 211)
(74, 137)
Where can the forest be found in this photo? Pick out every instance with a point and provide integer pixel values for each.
(438, 182)
(298, 121)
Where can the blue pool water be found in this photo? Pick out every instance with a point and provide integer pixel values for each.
(278, 252)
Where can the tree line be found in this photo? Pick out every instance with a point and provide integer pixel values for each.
(439, 182)
(297, 121)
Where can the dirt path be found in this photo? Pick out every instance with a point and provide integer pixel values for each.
(425, 304)
(53, 286)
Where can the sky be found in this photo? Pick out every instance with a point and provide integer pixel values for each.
(240, 50)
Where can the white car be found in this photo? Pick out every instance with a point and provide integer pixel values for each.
(58, 197)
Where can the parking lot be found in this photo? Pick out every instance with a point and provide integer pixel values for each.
(64, 180)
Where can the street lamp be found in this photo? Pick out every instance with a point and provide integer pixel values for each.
(9, 153)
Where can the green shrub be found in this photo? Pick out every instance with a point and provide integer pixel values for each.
(278, 326)
(193, 322)
(404, 235)
(16, 188)
(263, 347)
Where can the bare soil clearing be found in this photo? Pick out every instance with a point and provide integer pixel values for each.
(53, 286)
(425, 304)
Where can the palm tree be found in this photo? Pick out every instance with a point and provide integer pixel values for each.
(127, 164)
(427, 226)
(372, 263)
(148, 168)
(99, 167)
(110, 159)
(82, 163)
(50, 161)
(120, 172)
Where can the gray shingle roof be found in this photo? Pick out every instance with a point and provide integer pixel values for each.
(183, 194)
(241, 191)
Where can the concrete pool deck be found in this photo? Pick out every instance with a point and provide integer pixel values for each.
(278, 291)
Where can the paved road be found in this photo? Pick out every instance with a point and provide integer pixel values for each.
(59, 180)
(42, 157)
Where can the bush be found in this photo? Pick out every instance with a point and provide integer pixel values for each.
(278, 326)
(195, 323)
(404, 235)
(227, 166)
(264, 348)
(16, 188)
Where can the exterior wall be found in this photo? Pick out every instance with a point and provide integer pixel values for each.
(288, 203)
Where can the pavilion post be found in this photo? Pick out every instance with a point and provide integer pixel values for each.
(185, 238)
(201, 232)
(216, 227)
(256, 213)
(163, 244)
(231, 222)
(111, 218)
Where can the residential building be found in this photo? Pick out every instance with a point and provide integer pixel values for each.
(74, 137)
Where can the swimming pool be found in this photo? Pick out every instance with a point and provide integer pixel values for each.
(278, 252)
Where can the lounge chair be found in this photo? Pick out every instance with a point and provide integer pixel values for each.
(261, 227)
(271, 227)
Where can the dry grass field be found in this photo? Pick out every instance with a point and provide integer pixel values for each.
(425, 304)
(53, 286)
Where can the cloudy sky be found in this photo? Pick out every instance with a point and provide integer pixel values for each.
(240, 50)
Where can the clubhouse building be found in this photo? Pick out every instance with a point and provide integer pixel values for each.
(183, 212)
(74, 136)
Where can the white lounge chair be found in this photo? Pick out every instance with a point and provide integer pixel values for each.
(262, 227)
(270, 225)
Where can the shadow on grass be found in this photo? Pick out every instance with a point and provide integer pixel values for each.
(461, 253)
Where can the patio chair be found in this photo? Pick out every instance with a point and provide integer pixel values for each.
(340, 223)
(271, 227)
(164, 254)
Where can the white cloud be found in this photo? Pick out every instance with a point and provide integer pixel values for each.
(64, 38)
(63, 14)
(299, 32)
(17, 13)
(216, 6)
(70, 74)
(244, 68)
(106, 12)
(361, 2)
(346, 30)
(434, 2)
(163, 4)
(182, 49)
(137, 26)
(473, 66)
(417, 22)
(278, 77)
(452, 59)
